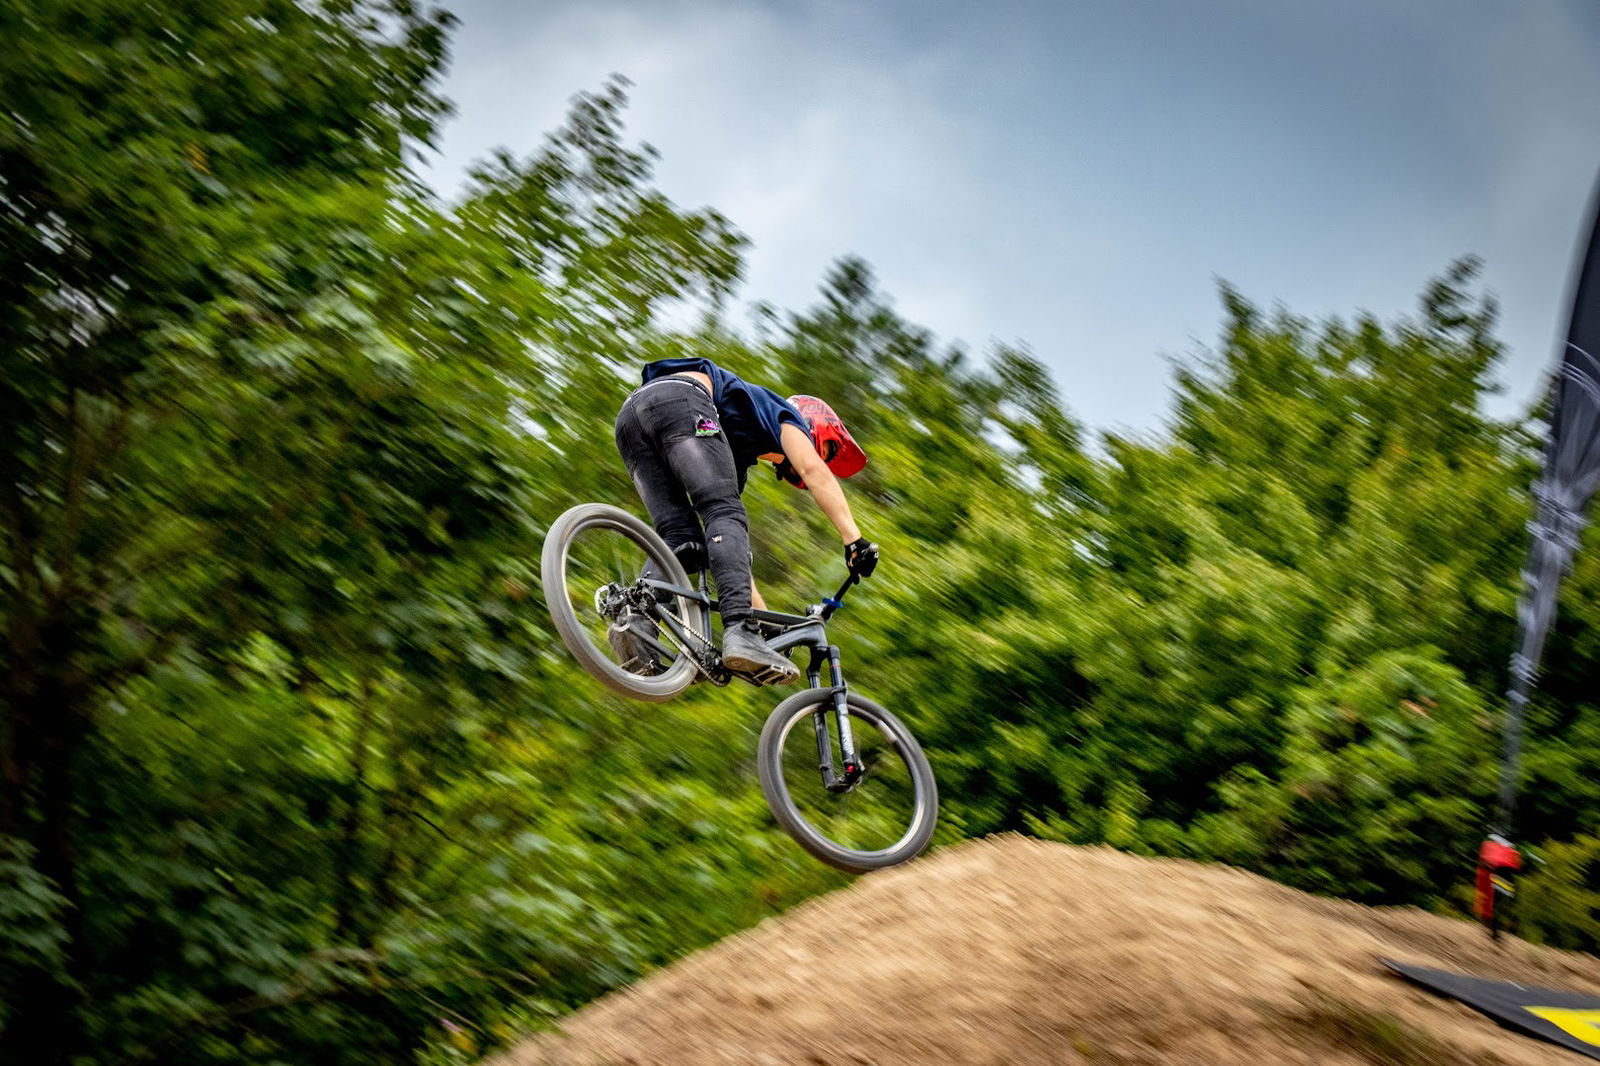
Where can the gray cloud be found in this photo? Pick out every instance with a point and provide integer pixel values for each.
(1077, 179)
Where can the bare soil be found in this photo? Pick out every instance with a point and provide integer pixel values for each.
(1012, 950)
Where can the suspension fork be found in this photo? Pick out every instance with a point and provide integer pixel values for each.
(831, 780)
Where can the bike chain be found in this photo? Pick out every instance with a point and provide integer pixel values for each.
(697, 635)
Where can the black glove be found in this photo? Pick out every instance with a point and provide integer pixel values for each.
(861, 556)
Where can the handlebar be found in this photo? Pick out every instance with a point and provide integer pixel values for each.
(829, 604)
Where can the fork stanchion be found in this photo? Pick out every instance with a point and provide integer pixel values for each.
(814, 668)
(841, 714)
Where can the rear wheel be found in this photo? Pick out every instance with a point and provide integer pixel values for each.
(885, 818)
(594, 555)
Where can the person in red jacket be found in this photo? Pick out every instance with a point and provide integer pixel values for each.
(689, 436)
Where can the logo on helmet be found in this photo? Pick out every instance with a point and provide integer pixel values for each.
(833, 442)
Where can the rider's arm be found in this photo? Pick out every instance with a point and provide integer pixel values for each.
(755, 597)
(824, 487)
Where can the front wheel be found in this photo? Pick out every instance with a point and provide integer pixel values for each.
(883, 819)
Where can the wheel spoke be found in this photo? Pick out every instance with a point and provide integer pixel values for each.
(872, 815)
(593, 559)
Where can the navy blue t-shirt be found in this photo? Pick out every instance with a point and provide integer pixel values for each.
(751, 416)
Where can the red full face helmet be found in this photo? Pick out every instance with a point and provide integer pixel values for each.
(833, 442)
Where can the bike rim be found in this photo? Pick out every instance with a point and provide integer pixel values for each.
(601, 554)
(864, 822)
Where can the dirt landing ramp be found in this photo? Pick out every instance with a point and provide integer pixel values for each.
(1016, 951)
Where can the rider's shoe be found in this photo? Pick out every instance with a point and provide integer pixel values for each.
(633, 654)
(745, 652)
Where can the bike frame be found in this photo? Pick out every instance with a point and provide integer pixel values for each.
(783, 632)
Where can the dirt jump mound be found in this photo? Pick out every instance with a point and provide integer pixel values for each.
(1017, 951)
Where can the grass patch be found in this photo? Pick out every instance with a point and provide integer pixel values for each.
(1381, 1039)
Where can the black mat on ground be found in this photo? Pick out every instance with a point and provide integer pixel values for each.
(1571, 1019)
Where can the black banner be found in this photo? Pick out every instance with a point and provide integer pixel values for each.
(1571, 474)
(1570, 1019)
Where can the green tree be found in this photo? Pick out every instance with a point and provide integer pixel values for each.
(296, 769)
(170, 177)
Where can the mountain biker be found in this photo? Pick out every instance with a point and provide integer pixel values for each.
(689, 436)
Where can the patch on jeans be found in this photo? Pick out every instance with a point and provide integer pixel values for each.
(706, 427)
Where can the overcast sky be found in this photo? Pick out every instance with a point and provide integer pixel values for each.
(1077, 176)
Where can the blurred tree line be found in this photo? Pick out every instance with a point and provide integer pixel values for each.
(294, 768)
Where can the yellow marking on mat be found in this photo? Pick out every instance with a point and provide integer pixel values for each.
(1583, 1024)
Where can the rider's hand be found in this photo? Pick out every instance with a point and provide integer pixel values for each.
(861, 556)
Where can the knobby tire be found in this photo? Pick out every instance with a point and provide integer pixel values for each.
(598, 663)
(798, 709)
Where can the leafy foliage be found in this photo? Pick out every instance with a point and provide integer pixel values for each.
(295, 768)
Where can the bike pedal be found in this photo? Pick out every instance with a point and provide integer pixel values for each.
(776, 676)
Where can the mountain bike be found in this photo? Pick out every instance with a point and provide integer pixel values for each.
(842, 775)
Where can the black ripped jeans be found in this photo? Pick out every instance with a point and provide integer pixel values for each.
(688, 480)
